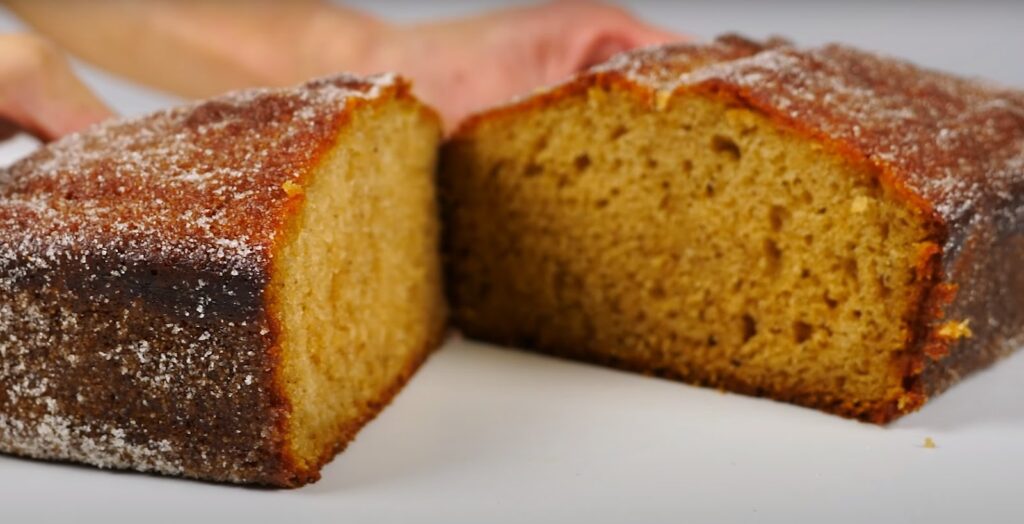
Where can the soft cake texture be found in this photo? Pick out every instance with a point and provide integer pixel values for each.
(227, 290)
(358, 293)
(820, 226)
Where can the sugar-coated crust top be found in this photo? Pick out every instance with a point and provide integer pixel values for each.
(203, 183)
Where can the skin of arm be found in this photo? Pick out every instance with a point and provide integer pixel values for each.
(198, 49)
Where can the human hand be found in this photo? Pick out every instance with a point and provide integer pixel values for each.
(460, 66)
(466, 64)
(39, 93)
(199, 49)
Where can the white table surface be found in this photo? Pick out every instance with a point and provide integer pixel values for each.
(486, 434)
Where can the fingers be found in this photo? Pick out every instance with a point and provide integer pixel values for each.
(463, 65)
(633, 31)
(39, 92)
(605, 30)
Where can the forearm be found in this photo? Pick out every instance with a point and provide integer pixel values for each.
(203, 48)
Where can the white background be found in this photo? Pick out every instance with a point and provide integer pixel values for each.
(485, 434)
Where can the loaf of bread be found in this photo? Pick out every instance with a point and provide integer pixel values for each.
(820, 226)
(226, 291)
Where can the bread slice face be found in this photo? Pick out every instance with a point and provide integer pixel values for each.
(699, 241)
(665, 213)
(355, 286)
(227, 290)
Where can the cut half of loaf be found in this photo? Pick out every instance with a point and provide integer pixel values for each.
(823, 226)
(226, 291)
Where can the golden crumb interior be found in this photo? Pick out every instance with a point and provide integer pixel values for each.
(698, 241)
(357, 283)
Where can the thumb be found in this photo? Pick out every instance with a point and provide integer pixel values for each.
(599, 48)
(640, 34)
(612, 30)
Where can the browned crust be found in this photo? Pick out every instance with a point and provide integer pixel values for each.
(149, 301)
(958, 268)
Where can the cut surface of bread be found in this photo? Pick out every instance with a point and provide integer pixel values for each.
(356, 285)
(655, 215)
(699, 241)
(227, 290)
